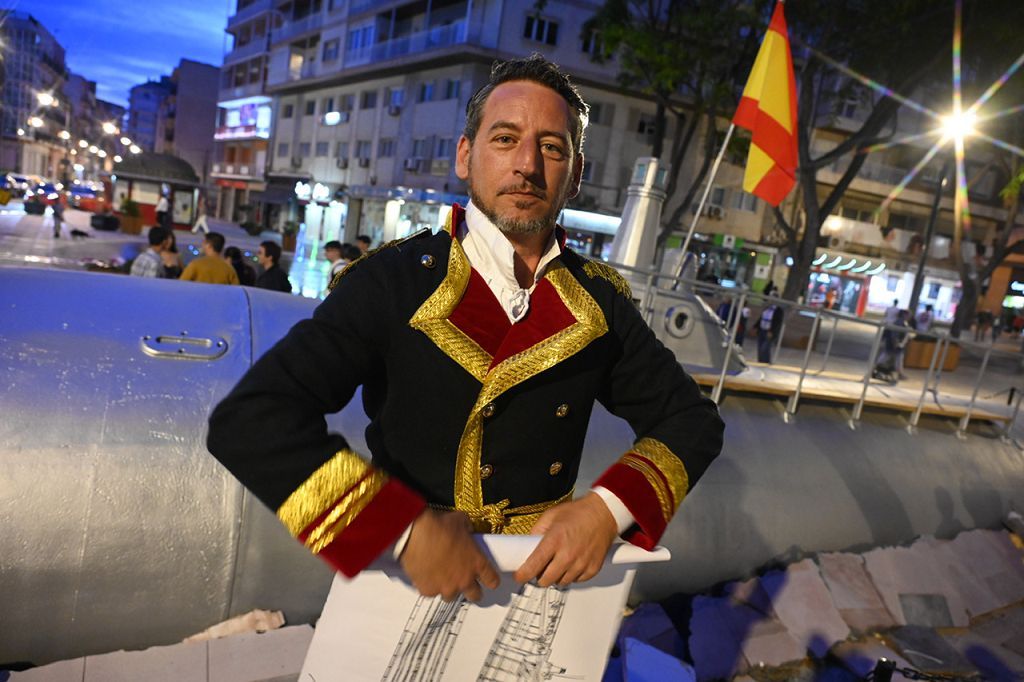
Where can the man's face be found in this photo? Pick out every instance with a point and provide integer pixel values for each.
(521, 168)
(332, 255)
(208, 249)
(263, 258)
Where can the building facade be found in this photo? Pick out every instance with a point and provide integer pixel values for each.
(187, 116)
(144, 102)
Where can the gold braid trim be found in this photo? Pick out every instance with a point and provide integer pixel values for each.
(604, 271)
(498, 518)
(590, 324)
(344, 484)
(432, 317)
(665, 463)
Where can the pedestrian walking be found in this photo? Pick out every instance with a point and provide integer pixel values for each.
(163, 208)
(768, 328)
(200, 223)
(58, 216)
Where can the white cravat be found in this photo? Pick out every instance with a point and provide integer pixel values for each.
(493, 257)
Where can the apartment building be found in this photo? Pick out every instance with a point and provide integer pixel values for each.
(187, 116)
(144, 101)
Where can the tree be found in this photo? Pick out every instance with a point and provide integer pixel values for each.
(900, 44)
(688, 55)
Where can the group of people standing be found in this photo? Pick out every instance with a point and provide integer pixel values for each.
(769, 323)
(216, 265)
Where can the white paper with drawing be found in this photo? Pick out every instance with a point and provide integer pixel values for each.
(377, 627)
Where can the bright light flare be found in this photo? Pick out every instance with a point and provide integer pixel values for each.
(135, 149)
(126, 141)
(45, 99)
(959, 126)
(35, 122)
(110, 129)
(117, 158)
(83, 144)
(64, 135)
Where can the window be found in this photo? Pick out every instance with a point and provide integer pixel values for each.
(396, 97)
(419, 148)
(591, 172)
(368, 100)
(426, 91)
(745, 202)
(452, 88)
(717, 196)
(310, 107)
(331, 50)
(858, 215)
(595, 113)
(386, 148)
(541, 30)
(359, 38)
(346, 103)
(445, 148)
(328, 105)
(282, 149)
(342, 150)
(590, 42)
(289, 111)
(645, 125)
(363, 149)
(304, 149)
(321, 148)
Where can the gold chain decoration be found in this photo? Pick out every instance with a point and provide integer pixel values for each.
(607, 272)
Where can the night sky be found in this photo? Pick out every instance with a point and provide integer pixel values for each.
(121, 43)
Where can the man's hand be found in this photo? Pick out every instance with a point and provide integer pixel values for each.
(577, 536)
(441, 557)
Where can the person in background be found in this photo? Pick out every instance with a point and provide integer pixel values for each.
(332, 251)
(201, 217)
(246, 274)
(211, 267)
(58, 215)
(924, 319)
(273, 277)
(150, 262)
(163, 210)
(363, 242)
(173, 265)
(768, 327)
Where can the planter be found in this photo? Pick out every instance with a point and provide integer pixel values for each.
(288, 242)
(919, 351)
(130, 224)
(107, 223)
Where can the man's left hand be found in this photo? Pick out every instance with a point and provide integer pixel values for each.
(576, 539)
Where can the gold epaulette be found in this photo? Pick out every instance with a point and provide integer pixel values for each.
(371, 252)
(595, 268)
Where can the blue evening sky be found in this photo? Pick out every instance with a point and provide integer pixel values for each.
(121, 43)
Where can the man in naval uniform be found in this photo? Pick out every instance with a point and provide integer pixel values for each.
(480, 351)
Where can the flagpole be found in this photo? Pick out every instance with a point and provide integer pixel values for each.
(703, 200)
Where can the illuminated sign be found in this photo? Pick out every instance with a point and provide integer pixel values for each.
(303, 191)
(321, 192)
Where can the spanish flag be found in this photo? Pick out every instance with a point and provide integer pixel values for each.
(768, 110)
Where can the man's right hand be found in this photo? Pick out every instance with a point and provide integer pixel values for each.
(442, 558)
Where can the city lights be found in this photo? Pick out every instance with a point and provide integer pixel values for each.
(102, 154)
(959, 126)
(126, 141)
(134, 149)
(83, 144)
(110, 129)
(35, 122)
(93, 149)
(117, 158)
(64, 135)
(21, 131)
(45, 99)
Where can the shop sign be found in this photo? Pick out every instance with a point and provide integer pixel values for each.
(303, 190)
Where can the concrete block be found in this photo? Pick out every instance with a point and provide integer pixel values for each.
(992, 557)
(717, 653)
(259, 656)
(644, 663)
(993, 661)
(61, 671)
(1003, 627)
(927, 651)
(651, 624)
(177, 663)
(751, 593)
(769, 643)
(948, 558)
(803, 604)
(897, 571)
(853, 593)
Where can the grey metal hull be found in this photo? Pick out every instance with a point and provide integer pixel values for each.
(120, 531)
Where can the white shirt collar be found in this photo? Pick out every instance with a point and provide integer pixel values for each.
(492, 255)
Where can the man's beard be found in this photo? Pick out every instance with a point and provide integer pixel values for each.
(511, 225)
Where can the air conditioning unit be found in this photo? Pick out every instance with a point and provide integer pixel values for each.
(364, 162)
(394, 110)
(342, 162)
(715, 212)
(412, 165)
(835, 242)
(296, 161)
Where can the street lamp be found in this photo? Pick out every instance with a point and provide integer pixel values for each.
(35, 122)
(959, 125)
(83, 144)
(110, 129)
(45, 99)
(126, 141)
(135, 149)
(64, 135)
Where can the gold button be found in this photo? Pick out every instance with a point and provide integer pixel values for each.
(488, 410)
(562, 410)
(427, 261)
(486, 471)
(555, 468)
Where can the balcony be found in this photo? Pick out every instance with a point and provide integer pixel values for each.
(250, 12)
(240, 92)
(253, 48)
(241, 133)
(296, 27)
(413, 43)
(237, 170)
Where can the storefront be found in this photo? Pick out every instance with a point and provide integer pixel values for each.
(842, 282)
(941, 289)
(142, 178)
(729, 260)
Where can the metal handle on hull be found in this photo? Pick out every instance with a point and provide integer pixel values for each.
(183, 347)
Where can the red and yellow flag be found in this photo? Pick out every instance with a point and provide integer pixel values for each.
(768, 110)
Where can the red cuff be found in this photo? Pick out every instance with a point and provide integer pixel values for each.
(630, 486)
(375, 528)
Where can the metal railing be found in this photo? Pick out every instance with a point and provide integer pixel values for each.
(861, 355)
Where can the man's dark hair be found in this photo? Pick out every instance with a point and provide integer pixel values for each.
(364, 239)
(233, 253)
(273, 250)
(537, 69)
(333, 244)
(157, 235)
(216, 241)
(350, 252)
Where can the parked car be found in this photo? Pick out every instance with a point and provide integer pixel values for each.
(86, 198)
(44, 192)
